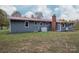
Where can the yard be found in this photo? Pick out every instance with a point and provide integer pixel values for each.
(48, 42)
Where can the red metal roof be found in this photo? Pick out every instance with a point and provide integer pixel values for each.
(35, 19)
(30, 19)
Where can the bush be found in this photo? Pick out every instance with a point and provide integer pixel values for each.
(77, 26)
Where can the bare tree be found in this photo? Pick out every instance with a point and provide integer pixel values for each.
(16, 14)
(39, 15)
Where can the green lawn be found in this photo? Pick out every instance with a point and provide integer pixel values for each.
(39, 42)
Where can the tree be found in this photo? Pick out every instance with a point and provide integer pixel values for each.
(16, 14)
(3, 18)
(76, 25)
(39, 15)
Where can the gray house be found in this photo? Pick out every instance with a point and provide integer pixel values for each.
(25, 24)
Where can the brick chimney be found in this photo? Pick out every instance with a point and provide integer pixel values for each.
(54, 23)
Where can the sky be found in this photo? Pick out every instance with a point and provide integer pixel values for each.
(68, 12)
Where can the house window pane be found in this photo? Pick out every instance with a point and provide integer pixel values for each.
(40, 23)
(26, 24)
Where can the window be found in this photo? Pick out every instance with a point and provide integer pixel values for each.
(26, 23)
(40, 23)
(62, 25)
(35, 22)
(44, 23)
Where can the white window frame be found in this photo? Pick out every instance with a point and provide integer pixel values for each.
(25, 24)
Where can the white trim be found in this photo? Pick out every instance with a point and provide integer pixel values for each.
(10, 25)
(25, 24)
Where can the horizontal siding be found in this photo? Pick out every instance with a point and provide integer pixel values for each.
(62, 29)
(19, 26)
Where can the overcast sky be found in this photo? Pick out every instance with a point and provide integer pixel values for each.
(69, 12)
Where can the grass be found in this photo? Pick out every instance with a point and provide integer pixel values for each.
(39, 42)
